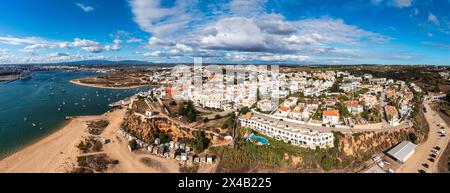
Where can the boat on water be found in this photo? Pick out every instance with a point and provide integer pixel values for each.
(34, 124)
(51, 94)
(25, 119)
(25, 74)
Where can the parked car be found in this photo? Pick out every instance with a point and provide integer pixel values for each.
(422, 171)
(437, 148)
(425, 165)
(431, 159)
(435, 151)
(433, 155)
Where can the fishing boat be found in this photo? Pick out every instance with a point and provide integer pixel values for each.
(26, 74)
(34, 124)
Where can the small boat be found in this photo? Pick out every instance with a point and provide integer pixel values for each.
(40, 128)
(63, 90)
(83, 99)
(51, 94)
(84, 106)
(34, 124)
(25, 119)
(75, 103)
(64, 102)
(59, 109)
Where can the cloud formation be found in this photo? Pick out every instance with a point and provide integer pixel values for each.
(85, 8)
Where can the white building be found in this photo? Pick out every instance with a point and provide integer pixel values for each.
(286, 131)
(330, 117)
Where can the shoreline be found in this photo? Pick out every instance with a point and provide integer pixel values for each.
(52, 153)
(37, 139)
(77, 82)
(57, 152)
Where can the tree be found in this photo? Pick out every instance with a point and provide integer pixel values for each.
(189, 111)
(447, 97)
(200, 142)
(326, 163)
(244, 110)
(413, 137)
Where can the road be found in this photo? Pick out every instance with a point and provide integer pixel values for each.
(423, 150)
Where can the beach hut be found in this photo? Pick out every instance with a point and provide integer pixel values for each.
(155, 150)
(150, 148)
(202, 159)
(190, 159)
(209, 159)
(196, 159)
(171, 144)
(183, 156)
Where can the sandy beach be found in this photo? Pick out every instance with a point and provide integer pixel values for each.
(77, 82)
(57, 152)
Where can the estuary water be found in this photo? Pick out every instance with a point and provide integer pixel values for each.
(32, 108)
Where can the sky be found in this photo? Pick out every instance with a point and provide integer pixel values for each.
(227, 31)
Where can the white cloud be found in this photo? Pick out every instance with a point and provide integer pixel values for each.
(433, 19)
(393, 3)
(162, 21)
(401, 3)
(93, 49)
(134, 40)
(115, 46)
(32, 48)
(65, 45)
(21, 41)
(58, 54)
(85, 8)
(3, 51)
(87, 45)
(152, 54)
(84, 43)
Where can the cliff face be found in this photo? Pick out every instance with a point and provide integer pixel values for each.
(149, 130)
(362, 146)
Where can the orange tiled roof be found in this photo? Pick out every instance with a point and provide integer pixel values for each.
(331, 113)
(350, 103)
(284, 108)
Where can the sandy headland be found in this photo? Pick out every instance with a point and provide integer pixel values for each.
(58, 152)
(78, 82)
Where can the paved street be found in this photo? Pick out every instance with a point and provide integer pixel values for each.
(424, 150)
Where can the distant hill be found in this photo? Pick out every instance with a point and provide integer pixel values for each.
(105, 62)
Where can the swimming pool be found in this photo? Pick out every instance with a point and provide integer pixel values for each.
(259, 139)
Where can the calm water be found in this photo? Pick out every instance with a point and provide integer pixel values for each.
(25, 102)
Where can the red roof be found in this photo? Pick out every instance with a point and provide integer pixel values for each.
(284, 108)
(351, 103)
(331, 113)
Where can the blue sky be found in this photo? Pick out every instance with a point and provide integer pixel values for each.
(227, 31)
